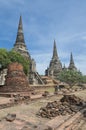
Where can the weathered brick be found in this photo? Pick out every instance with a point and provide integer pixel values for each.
(16, 80)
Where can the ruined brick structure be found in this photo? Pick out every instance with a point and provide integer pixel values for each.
(16, 80)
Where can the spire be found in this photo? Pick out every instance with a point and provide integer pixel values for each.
(20, 45)
(20, 35)
(72, 65)
(55, 55)
(71, 59)
(64, 67)
(55, 66)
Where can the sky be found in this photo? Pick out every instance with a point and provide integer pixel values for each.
(44, 21)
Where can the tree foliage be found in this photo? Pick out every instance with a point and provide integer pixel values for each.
(84, 79)
(71, 77)
(7, 57)
(4, 59)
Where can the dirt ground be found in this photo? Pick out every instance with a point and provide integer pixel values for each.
(26, 114)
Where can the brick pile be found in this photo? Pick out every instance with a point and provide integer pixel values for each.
(20, 99)
(69, 104)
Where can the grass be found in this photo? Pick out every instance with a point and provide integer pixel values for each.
(49, 89)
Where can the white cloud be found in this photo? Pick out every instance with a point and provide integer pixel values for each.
(80, 62)
(67, 37)
(84, 38)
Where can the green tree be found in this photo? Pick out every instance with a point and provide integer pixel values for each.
(4, 60)
(7, 57)
(84, 79)
(71, 77)
(17, 57)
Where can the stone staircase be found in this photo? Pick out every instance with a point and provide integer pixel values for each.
(39, 78)
(49, 80)
(35, 78)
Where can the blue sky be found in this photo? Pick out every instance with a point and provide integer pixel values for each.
(44, 21)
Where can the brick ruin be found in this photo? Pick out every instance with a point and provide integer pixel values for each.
(16, 80)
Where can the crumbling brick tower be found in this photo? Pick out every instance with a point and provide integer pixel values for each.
(16, 80)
